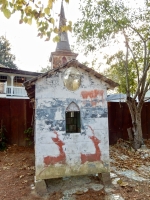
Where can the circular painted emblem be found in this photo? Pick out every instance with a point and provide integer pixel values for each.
(72, 79)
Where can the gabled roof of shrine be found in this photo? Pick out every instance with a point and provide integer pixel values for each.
(30, 84)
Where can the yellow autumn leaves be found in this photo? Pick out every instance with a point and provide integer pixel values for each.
(37, 11)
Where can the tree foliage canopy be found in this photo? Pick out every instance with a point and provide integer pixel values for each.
(6, 57)
(117, 72)
(45, 69)
(107, 22)
(39, 11)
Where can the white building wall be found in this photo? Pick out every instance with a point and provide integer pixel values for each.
(59, 153)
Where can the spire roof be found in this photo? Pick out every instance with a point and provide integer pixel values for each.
(63, 44)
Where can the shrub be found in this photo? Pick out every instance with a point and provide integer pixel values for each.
(29, 135)
(3, 140)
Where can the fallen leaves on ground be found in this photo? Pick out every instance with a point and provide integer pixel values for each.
(15, 179)
(17, 174)
(124, 157)
(91, 194)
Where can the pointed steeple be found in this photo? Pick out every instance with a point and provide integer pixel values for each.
(63, 44)
(63, 52)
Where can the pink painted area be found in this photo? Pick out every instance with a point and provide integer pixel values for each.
(61, 158)
(93, 103)
(64, 60)
(93, 94)
(92, 157)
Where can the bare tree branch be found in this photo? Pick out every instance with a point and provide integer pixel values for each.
(148, 54)
(126, 65)
(143, 95)
(136, 65)
(139, 85)
(134, 29)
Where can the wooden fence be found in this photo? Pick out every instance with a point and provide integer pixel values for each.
(119, 120)
(17, 117)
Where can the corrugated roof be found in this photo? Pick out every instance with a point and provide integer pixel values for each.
(116, 97)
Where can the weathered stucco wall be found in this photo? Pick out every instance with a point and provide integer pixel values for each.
(58, 153)
(60, 60)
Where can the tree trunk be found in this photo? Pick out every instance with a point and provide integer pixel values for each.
(137, 130)
(136, 124)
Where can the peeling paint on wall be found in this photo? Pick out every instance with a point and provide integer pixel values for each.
(92, 94)
(59, 60)
(93, 97)
(95, 156)
(61, 158)
(62, 154)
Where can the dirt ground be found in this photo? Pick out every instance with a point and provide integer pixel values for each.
(17, 176)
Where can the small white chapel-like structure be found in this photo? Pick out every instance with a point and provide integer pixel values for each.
(71, 117)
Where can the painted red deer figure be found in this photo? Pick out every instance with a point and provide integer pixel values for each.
(95, 156)
(61, 158)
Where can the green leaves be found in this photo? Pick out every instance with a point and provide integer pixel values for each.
(35, 11)
(29, 21)
(56, 38)
(47, 10)
(6, 58)
(117, 72)
(3, 139)
(100, 20)
(56, 30)
(29, 135)
(52, 21)
(6, 12)
(123, 30)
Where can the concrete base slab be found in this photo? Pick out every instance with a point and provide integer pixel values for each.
(41, 187)
(105, 178)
